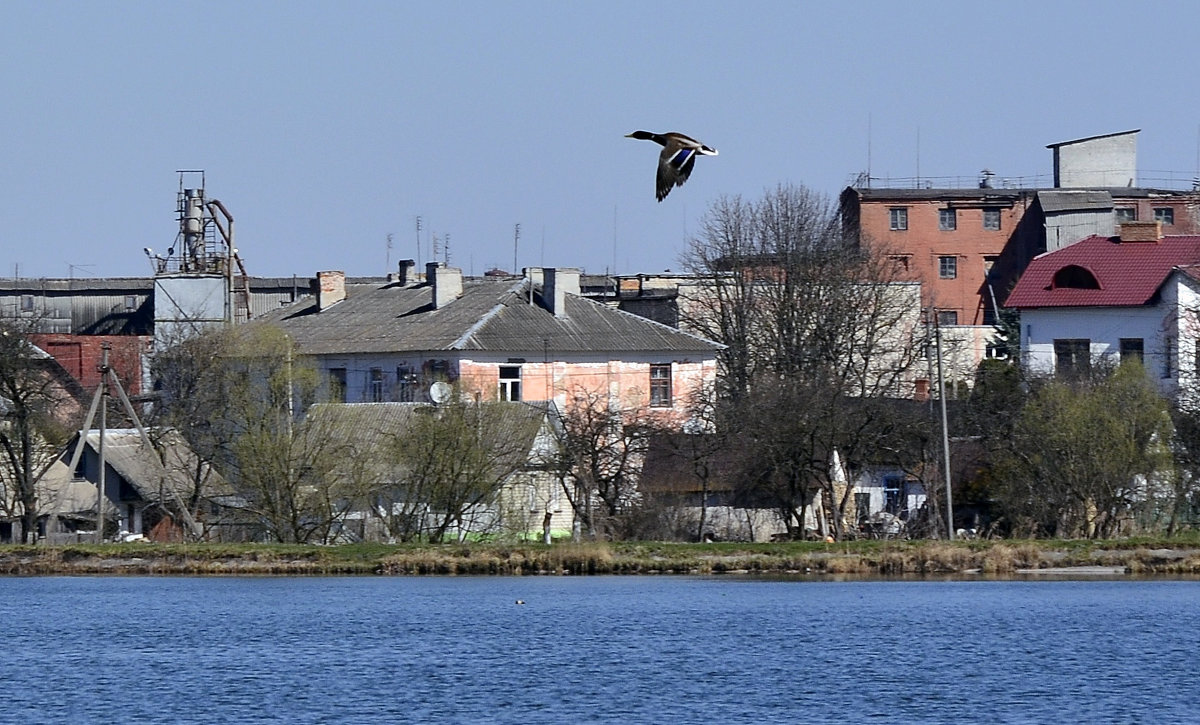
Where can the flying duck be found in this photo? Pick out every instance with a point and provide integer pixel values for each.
(676, 160)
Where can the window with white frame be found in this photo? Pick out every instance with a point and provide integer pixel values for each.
(660, 385)
(991, 220)
(898, 218)
(1125, 214)
(948, 267)
(947, 219)
(375, 385)
(1164, 215)
(1133, 348)
(337, 385)
(1072, 356)
(510, 382)
(406, 384)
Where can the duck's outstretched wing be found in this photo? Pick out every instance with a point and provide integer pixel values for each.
(674, 167)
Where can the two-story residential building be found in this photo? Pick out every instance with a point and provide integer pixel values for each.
(532, 337)
(969, 246)
(1136, 295)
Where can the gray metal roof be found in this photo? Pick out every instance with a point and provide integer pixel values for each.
(490, 316)
(1075, 200)
(153, 478)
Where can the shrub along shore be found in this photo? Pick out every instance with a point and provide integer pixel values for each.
(1176, 556)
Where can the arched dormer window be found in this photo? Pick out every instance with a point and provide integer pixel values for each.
(1073, 276)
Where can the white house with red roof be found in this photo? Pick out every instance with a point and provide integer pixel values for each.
(1131, 296)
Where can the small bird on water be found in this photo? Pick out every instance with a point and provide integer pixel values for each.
(676, 160)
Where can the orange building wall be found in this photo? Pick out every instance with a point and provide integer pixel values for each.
(628, 383)
(918, 248)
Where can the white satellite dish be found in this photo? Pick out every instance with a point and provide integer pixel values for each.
(439, 392)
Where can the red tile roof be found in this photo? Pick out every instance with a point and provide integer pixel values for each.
(1128, 273)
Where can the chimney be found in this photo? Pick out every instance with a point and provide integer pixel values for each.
(1140, 231)
(406, 273)
(446, 283)
(534, 275)
(329, 288)
(559, 282)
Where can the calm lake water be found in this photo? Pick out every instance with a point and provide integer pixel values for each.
(604, 649)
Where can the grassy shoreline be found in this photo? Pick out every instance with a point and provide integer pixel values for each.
(1174, 556)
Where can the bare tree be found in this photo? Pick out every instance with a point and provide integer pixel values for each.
(601, 449)
(818, 333)
(30, 436)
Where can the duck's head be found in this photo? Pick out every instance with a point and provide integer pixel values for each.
(641, 135)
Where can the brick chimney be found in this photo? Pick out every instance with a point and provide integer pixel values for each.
(446, 282)
(1140, 231)
(329, 288)
(557, 284)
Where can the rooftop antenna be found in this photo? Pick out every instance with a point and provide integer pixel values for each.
(388, 264)
(614, 264)
(918, 157)
(418, 241)
(868, 150)
(516, 238)
(446, 248)
(72, 267)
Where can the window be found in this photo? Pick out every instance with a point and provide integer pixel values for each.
(130, 303)
(337, 385)
(26, 303)
(660, 385)
(1164, 214)
(948, 267)
(1073, 276)
(406, 384)
(862, 507)
(947, 219)
(1125, 214)
(1072, 357)
(510, 382)
(900, 261)
(991, 220)
(1168, 357)
(898, 218)
(1133, 348)
(895, 497)
(947, 317)
(375, 385)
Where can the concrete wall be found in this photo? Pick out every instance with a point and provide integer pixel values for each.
(1066, 228)
(1103, 161)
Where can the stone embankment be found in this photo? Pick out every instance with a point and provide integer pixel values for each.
(868, 558)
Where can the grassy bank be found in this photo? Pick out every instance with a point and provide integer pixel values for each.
(866, 558)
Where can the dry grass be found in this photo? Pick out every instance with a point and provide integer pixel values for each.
(864, 558)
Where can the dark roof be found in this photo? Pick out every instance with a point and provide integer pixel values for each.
(972, 194)
(1092, 138)
(144, 470)
(1126, 273)
(490, 315)
(1055, 200)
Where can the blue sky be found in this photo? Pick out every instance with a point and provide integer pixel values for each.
(323, 127)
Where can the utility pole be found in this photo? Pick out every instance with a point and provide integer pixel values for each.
(103, 368)
(937, 327)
